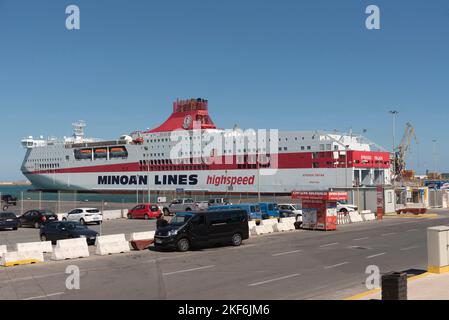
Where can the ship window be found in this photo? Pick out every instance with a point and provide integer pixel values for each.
(309, 147)
(302, 148)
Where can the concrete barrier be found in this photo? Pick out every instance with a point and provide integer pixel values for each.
(368, 215)
(111, 244)
(148, 235)
(355, 217)
(43, 246)
(259, 230)
(3, 250)
(16, 258)
(70, 249)
(269, 224)
(112, 214)
(289, 223)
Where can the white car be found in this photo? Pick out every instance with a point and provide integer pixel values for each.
(84, 216)
(344, 207)
(294, 208)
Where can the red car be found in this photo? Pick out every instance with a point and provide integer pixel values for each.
(145, 211)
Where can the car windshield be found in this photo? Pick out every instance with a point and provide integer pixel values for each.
(181, 218)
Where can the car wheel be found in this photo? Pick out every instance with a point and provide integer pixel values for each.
(43, 237)
(345, 211)
(236, 240)
(99, 222)
(82, 222)
(15, 228)
(146, 217)
(5, 208)
(37, 225)
(188, 209)
(130, 216)
(166, 212)
(183, 245)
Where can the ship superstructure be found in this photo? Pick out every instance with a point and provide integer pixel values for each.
(179, 154)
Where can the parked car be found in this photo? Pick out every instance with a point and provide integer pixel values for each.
(252, 209)
(37, 218)
(218, 202)
(290, 210)
(202, 205)
(8, 220)
(180, 205)
(60, 230)
(344, 207)
(8, 200)
(84, 216)
(145, 211)
(189, 229)
(269, 210)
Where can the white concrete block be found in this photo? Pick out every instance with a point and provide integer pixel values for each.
(43, 246)
(148, 235)
(70, 249)
(21, 257)
(112, 244)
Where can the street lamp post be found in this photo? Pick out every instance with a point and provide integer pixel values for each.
(434, 141)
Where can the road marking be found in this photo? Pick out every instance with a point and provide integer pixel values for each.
(284, 253)
(188, 270)
(273, 280)
(410, 248)
(388, 234)
(376, 255)
(358, 239)
(45, 296)
(329, 244)
(336, 265)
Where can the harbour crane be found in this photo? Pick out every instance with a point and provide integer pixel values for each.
(403, 149)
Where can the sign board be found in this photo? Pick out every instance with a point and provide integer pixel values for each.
(161, 199)
(319, 195)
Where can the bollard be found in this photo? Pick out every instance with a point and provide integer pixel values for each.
(394, 286)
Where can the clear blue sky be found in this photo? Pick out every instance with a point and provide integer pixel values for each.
(261, 63)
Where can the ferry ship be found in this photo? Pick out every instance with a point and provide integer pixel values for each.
(145, 161)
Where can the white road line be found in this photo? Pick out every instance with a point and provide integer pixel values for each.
(45, 296)
(410, 248)
(273, 280)
(388, 234)
(188, 270)
(358, 239)
(284, 253)
(329, 244)
(376, 255)
(336, 265)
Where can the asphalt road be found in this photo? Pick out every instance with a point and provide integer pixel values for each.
(295, 265)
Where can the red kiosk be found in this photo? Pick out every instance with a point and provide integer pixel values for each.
(319, 208)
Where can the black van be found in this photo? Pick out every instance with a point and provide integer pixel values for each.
(189, 229)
